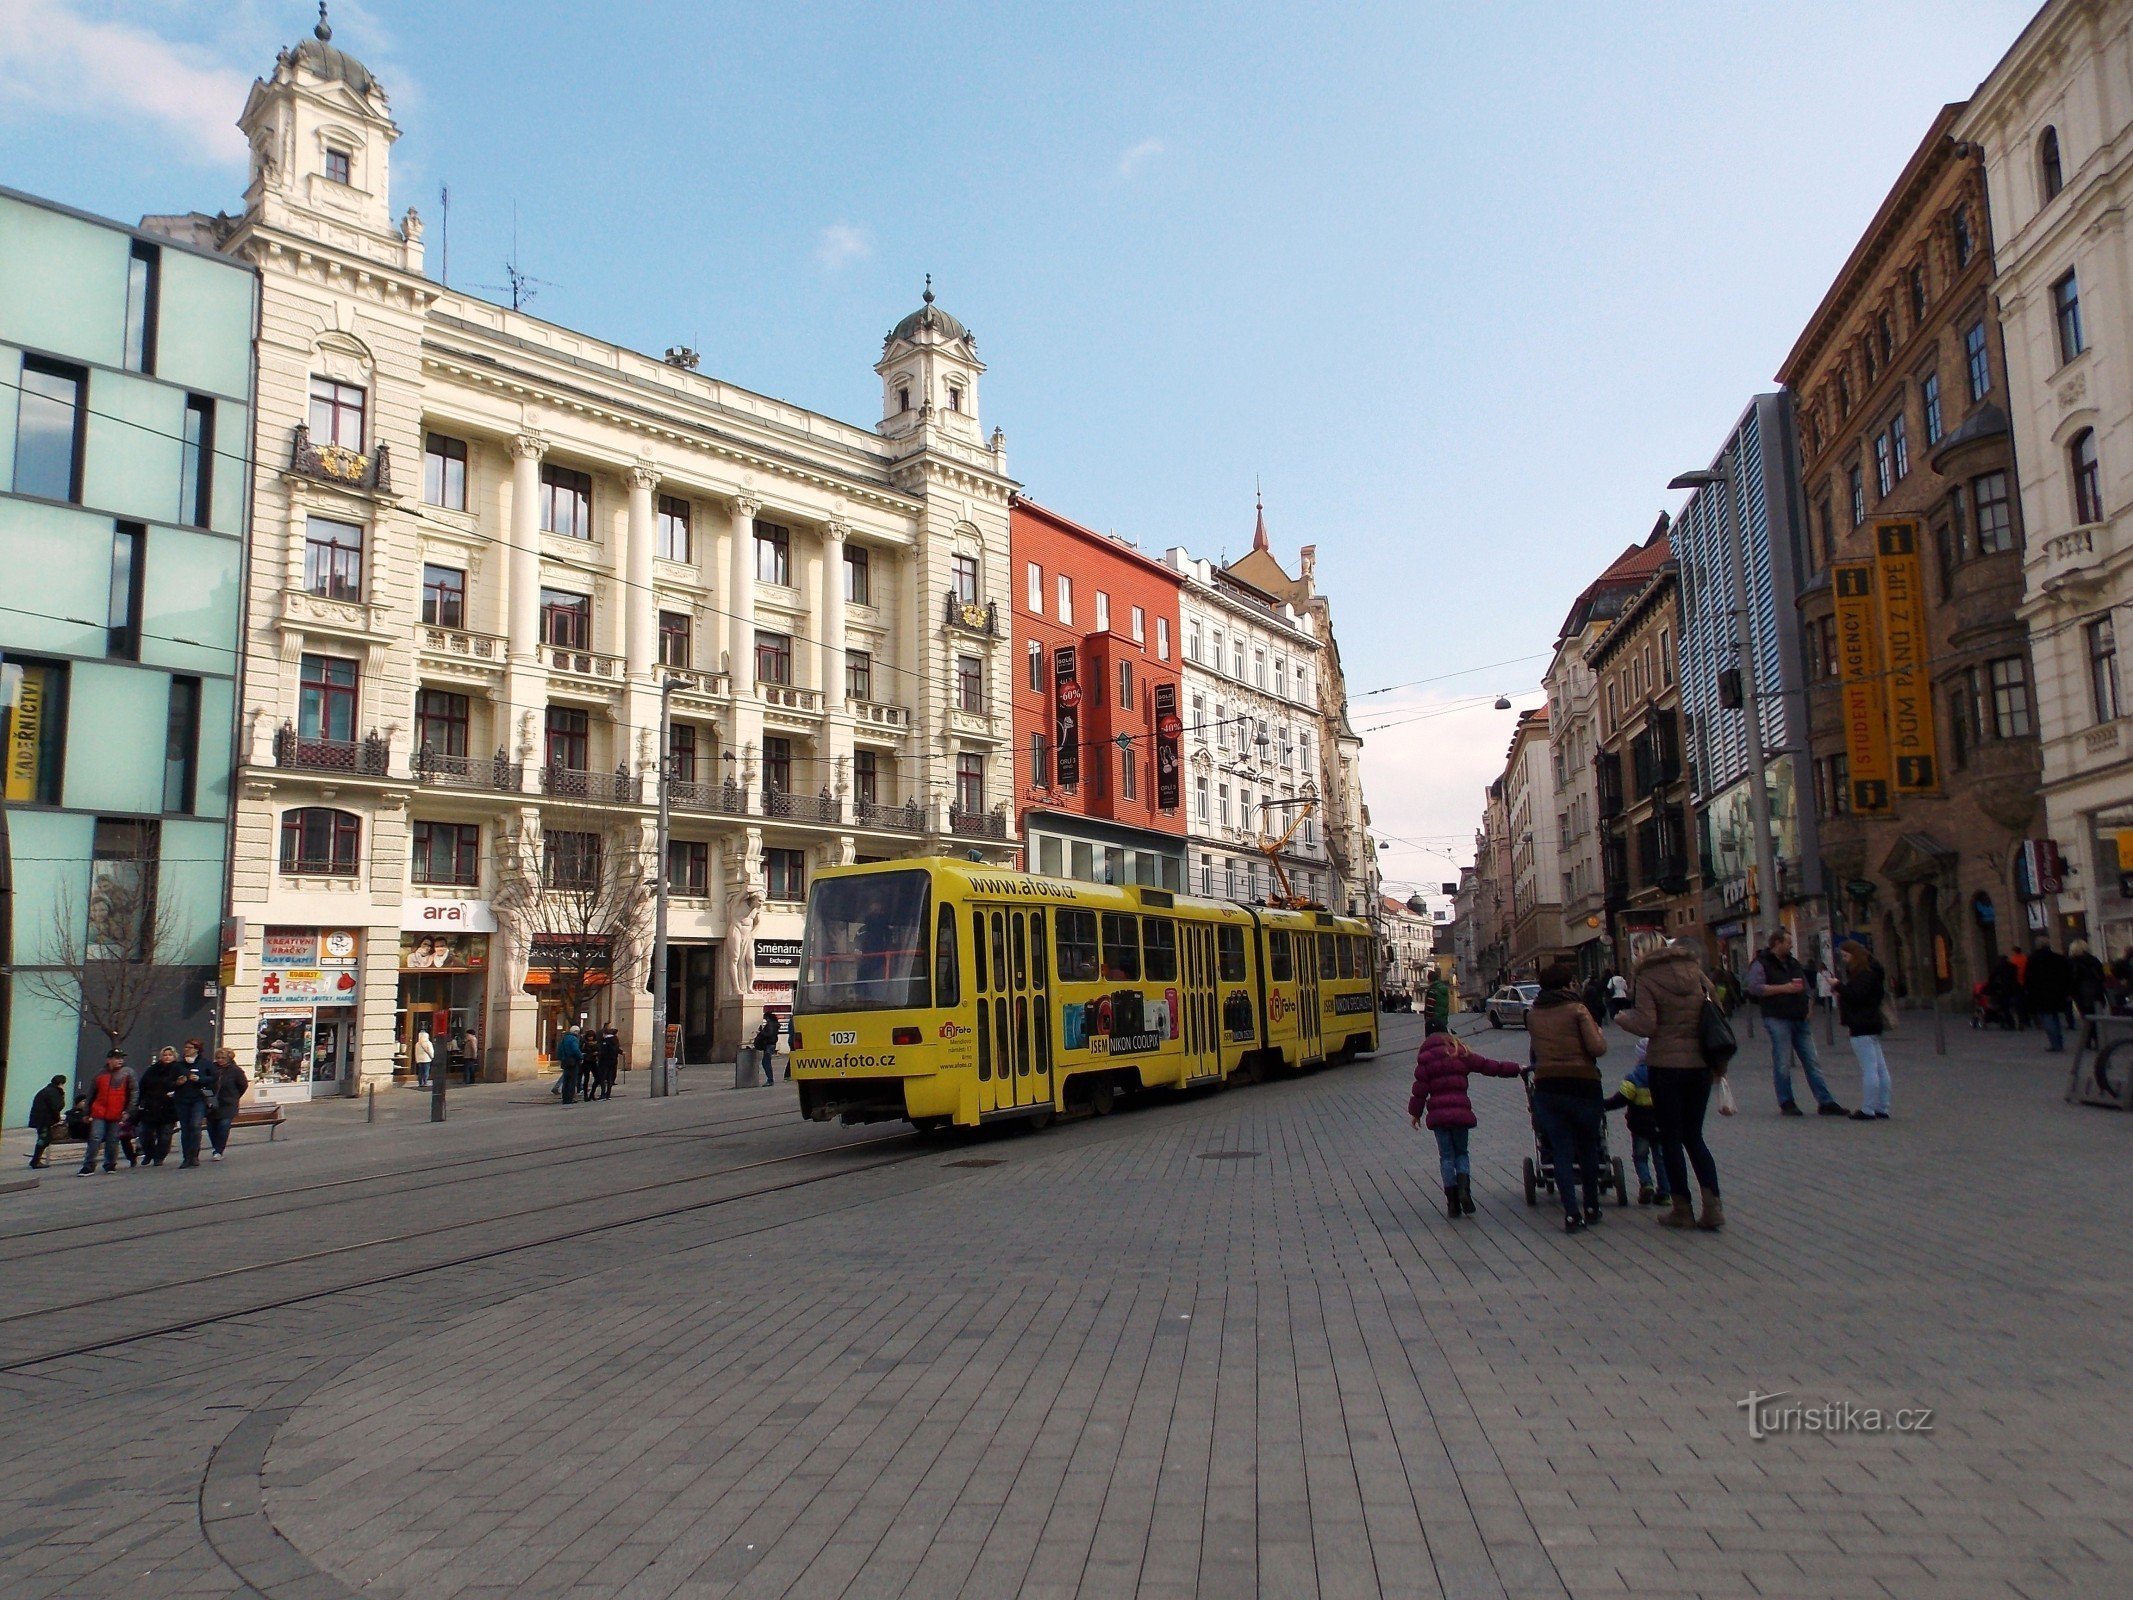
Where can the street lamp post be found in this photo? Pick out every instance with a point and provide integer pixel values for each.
(662, 1064)
(1764, 916)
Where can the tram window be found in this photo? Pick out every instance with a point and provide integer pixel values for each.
(1077, 946)
(1229, 948)
(1278, 966)
(1347, 954)
(865, 945)
(1361, 947)
(1021, 951)
(1328, 962)
(947, 974)
(1122, 948)
(977, 946)
(999, 953)
(1036, 949)
(1160, 936)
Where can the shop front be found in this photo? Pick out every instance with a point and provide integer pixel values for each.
(444, 982)
(692, 997)
(309, 983)
(568, 975)
(777, 968)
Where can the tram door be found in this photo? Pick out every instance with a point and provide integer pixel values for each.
(1014, 1007)
(1201, 1024)
(1311, 1027)
(1028, 974)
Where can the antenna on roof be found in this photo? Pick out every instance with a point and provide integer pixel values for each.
(521, 285)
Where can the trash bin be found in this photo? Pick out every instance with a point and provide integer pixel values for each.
(747, 1068)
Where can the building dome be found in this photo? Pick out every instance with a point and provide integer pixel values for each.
(327, 60)
(931, 316)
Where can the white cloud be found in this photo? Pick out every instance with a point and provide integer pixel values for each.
(840, 245)
(1424, 777)
(1139, 156)
(57, 61)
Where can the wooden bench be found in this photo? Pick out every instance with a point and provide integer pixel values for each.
(266, 1115)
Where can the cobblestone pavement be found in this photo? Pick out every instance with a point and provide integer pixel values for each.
(1223, 1346)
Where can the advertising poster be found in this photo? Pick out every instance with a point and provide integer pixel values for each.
(1866, 729)
(1066, 715)
(1912, 743)
(1168, 761)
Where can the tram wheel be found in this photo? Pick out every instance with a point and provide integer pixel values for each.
(1102, 1098)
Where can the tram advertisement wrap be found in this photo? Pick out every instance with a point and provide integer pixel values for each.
(1125, 1022)
(1167, 730)
(1066, 714)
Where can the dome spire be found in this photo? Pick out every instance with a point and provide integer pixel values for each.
(324, 31)
(1259, 529)
(927, 296)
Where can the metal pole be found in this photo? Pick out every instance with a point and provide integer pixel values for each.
(1766, 890)
(662, 1078)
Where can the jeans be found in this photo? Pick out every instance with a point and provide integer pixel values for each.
(155, 1141)
(1680, 1095)
(192, 1120)
(1651, 1165)
(2054, 1025)
(571, 1071)
(1789, 1038)
(1873, 1073)
(218, 1130)
(1451, 1154)
(1569, 1126)
(104, 1132)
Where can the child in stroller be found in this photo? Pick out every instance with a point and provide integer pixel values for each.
(1540, 1166)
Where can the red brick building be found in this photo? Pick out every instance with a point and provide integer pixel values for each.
(1097, 713)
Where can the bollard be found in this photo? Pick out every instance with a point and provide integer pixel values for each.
(372, 1114)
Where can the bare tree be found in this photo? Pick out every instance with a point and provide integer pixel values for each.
(577, 900)
(114, 961)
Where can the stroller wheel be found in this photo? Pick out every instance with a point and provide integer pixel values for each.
(1532, 1184)
(1621, 1184)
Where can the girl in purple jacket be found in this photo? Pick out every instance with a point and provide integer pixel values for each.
(1441, 1068)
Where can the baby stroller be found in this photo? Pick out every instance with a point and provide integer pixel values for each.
(1987, 1010)
(1540, 1167)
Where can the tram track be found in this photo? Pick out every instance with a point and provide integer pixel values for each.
(30, 1360)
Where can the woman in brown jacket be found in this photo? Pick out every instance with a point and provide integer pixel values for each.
(1670, 993)
(1567, 1045)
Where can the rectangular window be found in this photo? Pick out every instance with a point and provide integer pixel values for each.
(672, 541)
(1034, 598)
(326, 698)
(1259, 669)
(567, 743)
(333, 559)
(1066, 599)
(196, 463)
(51, 424)
(2010, 697)
(2103, 668)
(966, 579)
(1159, 942)
(1900, 446)
(1103, 612)
(866, 777)
(970, 783)
(444, 471)
(181, 742)
(1236, 659)
(1074, 938)
(688, 866)
(773, 657)
(777, 765)
(1280, 965)
(36, 733)
(969, 684)
(570, 860)
(1858, 495)
(1882, 480)
(1199, 800)
(1192, 641)
(144, 290)
(566, 619)
(858, 675)
(566, 502)
(1666, 657)
(773, 554)
(336, 414)
(447, 853)
(1035, 657)
(122, 620)
(681, 752)
(1125, 685)
(1993, 513)
(1229, 947)
(1122, 948)
(674, 638)
(444, 596)
(858, 575)
(1139, 624)
(1929, 391)
(338, 166)
(319, 841)
(2066, 316)
(1975, 361)
(1040, 761)
(785, 874)
(1222, 803)
(441, 722)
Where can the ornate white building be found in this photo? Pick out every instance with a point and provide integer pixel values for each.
(1407, 950)
(480, 544)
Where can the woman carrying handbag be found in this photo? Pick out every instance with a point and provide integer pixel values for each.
(1690, 1042)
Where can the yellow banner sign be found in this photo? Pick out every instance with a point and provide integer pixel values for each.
(1912, 745)
(1866, 727)
(25, 736)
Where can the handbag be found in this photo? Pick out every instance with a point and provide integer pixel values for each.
(1714, 1037)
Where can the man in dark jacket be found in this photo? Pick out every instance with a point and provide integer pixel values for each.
(1779, 984)
(159, 1105)
(230, 1086)
(609, 1059)
(2047, 987)
(193, 1096)
(47, 1111)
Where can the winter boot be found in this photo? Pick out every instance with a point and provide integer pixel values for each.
(1451, 1201)
(1683, 1215)
(1714, 1214)
(1466, 1194)
(1644, 1194)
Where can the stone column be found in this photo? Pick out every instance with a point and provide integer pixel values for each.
(829, 615)
(740, 595)
(641, 633)
(522, 606)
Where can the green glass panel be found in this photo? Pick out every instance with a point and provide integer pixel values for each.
(192, 879)
(204, 341)
(130, 466)
(70, 554)
(63, 283)
(189, 616)
(116, 719)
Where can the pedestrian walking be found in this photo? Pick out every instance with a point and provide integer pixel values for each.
(1778, 982)
(570, 1056)
(1633, 1098)
(111, 1097)
(425, 1058)
(157, 1111)
(765, 1043)
(1617, 995)
(470, 1053)
(1668, 1013)
(1594, 998)
(193, 1097)
(1566, 1046)
(609, 1061)
(2092, 985)
(1439, 1100)
(230, 1086)
(1860, 998)
(48, 1110)
(2047, 988)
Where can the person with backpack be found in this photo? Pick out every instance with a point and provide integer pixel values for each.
(47, 1111)
(1860, 997)
(110, 1098)
(1439, 1099)
(1668, 1011)
(230, 1086)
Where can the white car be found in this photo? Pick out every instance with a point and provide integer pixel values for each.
(1509, 1005)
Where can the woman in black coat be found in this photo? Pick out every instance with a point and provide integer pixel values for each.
(1861, 994)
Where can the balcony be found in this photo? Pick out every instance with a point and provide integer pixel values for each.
(591, 664)
(782, 806)
(2070, 560)
(870, 714)
(615, 788)
(362, 758)
(785, 697)
(338, 465)
(981, 617)
(728, 798)
(977, 824)
(693, 680)
(482, 650)
(898, 819)
(496, 774)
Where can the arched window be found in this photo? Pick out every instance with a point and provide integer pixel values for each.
(2048, 167)
(319, 841)
(2088, 477)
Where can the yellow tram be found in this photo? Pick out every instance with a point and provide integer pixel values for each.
(949, 992)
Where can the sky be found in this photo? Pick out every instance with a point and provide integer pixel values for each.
(1462, 285)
